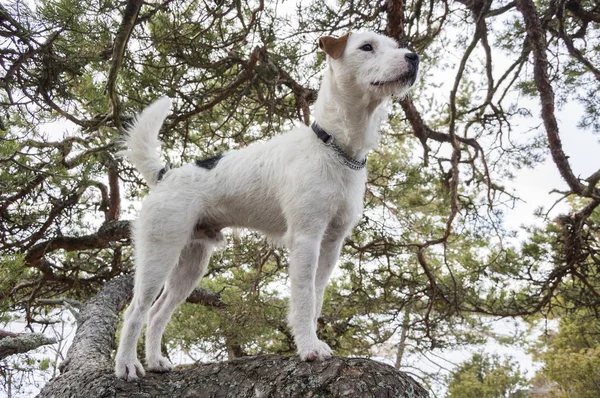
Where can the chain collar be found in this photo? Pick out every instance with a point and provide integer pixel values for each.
(345, 159)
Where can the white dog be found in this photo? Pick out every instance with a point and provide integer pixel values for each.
(303, 189)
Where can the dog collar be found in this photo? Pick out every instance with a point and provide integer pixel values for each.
(329, 140)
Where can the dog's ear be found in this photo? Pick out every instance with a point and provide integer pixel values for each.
(333, 46)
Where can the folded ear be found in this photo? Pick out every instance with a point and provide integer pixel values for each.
(333, 46)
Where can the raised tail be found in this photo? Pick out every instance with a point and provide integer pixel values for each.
(142, 140)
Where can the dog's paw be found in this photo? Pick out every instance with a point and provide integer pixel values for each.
(129, 370)
(317, 351)
(159, 365)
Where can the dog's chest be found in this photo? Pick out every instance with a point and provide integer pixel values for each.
(347, 196)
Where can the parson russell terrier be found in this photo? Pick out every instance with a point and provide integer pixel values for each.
(303, 189)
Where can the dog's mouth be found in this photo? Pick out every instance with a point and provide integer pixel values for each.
(405, 79)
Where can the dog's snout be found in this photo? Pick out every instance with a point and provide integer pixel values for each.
(412, 58)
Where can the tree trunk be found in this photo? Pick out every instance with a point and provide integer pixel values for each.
(87, 370)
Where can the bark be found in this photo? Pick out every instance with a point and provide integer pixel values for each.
(87, 370)
(110, 231)
(259, 376)
(131, 12)
(537, 40)
(18, 343)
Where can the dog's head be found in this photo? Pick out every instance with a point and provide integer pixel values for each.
(371, 64)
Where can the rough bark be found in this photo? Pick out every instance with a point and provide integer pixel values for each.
(259, 376)
(87, 370)
(17, 343)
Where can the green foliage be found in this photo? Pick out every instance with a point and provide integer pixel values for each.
(571, 356)
(426, 263)
(252, 319)
(45, 364)
(486, 376)
(11, 274)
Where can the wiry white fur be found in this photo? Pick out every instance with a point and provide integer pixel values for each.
(142, 140)
(293, 188)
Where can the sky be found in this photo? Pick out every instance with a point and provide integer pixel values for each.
(534, 186)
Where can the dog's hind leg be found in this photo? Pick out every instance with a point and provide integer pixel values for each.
(152, 268)
(158, 243)
(180, 283)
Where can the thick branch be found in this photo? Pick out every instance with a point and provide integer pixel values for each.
(13, 343)
(97, 327)
(114, 204)
(205, 297)
(109, 232)
(395, 21)
(258, 376)
(87, 369)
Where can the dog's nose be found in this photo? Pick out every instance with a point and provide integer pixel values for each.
(412, 58)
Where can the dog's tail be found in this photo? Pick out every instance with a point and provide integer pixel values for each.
(142, 140)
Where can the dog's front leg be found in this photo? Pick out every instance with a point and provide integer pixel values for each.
(303, 266)
(328, 258)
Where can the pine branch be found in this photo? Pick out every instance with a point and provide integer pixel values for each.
(88, 367)
(132, 10)
(13, 343)
(536, 38)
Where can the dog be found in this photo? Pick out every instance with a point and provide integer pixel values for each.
(303, 189)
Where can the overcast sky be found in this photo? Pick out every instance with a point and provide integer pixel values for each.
(534, 185)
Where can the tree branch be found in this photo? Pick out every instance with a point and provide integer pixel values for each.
(535, 36)
(17, 343)
(97, 327)
(227, 91)
(395, 21)
(132, 10)
(109, 232)
(114, 204)
(205, 297)
(88, 367)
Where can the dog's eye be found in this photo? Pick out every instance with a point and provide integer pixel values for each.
(367, 47)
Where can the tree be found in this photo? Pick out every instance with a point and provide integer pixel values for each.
(570, 354)
(486, 376)
(572, 357)
(429, 258)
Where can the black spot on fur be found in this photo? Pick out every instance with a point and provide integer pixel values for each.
(209, 163)
(162, 172)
